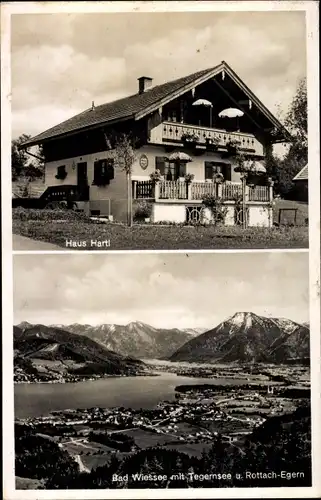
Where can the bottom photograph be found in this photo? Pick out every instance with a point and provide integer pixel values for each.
(162, 370)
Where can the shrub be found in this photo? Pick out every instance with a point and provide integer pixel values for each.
(142, 210)
(31, 214)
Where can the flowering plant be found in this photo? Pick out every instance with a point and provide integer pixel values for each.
(156, 176)
(188, 177)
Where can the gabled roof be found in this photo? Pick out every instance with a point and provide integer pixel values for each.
(302, 175)
(139, 105)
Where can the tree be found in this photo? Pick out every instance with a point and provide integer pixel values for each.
(296, 120)
(22, 168)
(122, 150)
(19, 157)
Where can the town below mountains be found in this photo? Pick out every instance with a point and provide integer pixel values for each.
(60, 353)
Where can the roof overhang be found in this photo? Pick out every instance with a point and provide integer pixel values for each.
(34, 141)
(281, 135)
(275, 123)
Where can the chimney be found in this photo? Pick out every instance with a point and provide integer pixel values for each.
(144, 83)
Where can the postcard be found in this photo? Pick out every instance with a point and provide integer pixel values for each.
(161, 250)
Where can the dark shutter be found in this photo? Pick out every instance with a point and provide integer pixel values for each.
(227, 172)
(182, 169)
(208, 170)
(110, 170)
(96, 173)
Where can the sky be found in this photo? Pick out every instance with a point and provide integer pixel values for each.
(161, 289)
(62, 62)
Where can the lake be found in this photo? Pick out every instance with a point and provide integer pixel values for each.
(33, 400)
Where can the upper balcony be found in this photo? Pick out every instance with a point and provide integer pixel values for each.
(174, 133)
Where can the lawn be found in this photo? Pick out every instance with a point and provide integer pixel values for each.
(157, 237)
(287, 217)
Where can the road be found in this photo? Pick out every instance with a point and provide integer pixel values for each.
(82, 467)
(23, 243)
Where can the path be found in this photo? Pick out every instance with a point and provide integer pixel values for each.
(82, 467)
(23, 243)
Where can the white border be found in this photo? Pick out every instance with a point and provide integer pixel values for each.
(311, 9)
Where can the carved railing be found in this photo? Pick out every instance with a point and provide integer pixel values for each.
(180, 190)
(175, 132)
(173, 190)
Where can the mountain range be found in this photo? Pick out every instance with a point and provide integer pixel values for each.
(79, 348)
(247, 337)
(52, 352)
(136, 339)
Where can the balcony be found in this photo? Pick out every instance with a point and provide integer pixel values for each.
(173, 133)
(180, 191)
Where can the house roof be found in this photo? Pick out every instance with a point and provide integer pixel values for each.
(139, 105)
(302, 175)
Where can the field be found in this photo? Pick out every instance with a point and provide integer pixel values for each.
(146, 439)
(191, 449)
(49, 228)
(92, 454)
(24, 483)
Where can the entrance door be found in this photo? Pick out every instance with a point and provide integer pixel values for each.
(82, 181)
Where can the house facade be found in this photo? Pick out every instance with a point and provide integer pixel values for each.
(178, 131)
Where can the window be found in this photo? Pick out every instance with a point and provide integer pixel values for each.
(216, 167)
(61, 172)
(170, 171)
(103, 172)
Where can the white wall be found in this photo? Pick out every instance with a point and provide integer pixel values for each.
(196, 167)
(109, 199)
(260, 216)
(168, 212)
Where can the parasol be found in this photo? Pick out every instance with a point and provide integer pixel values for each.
(179, 156)
(202, 102)
(206, 103)
(231, 113)
(252, 167)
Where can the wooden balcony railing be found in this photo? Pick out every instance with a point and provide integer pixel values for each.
(173, 190)
(172, 132)
(196, 191)
(259, 193)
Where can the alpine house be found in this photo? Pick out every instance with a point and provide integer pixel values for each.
(189, 135)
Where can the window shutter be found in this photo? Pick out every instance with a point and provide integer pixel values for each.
(208, 170)
(227, 172)
(110, 170)
(96, 172)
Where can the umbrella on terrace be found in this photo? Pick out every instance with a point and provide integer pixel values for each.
(231, 113)
(206, 103)
(253, 167)
(179, 156)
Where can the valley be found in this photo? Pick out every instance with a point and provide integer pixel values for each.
(102, 411)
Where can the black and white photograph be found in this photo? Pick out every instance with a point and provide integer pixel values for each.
(160, 209)
(172, 371)
(156, 131)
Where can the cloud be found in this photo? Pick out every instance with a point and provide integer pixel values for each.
(58, 72)
(168, 290)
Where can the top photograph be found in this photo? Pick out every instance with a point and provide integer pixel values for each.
(159, 131)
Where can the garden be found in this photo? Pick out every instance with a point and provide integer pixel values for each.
(59, 226)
